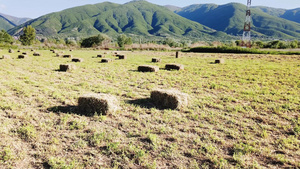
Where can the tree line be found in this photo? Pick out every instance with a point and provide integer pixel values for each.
(28, 38)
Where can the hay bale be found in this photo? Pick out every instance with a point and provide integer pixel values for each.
(6, 57)
(22, 56)
(36, 54)
(121, 56)
(58, 55)
(219, 61)
(101, 104)
(106, 60)
(77, 60)
(173, 66)
(67, 67)
(67, 56)
(155, 60)
(169, 99)
(54, 51)
(71, 50)
(10, 51)
(19, 50)
(32, 50)
(147, 68)
(100, 56)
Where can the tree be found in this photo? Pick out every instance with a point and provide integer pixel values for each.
(5, 37)
(93, 41)
(123, 40)
(28, 36)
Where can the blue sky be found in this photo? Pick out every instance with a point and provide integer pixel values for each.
(36, 8)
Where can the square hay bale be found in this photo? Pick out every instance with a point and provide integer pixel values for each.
(6, 57)
(19, 50)
(10, 51)
(106, 60)
(148, 68)
(67, 67)
(100, 56)
(36, 54)
(169, 99)
(71, 50)
(122, 56)
(77, 60)
(22, 56)
(67, 56)
(173, 66)
(54, 51)
(155, 60)
(32, 50)
(219, 61)
(101, 104)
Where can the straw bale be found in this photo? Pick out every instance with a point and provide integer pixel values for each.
(169, 99)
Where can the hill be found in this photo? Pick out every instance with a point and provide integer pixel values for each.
(230, 19)
(292, 14)
(136, 18)
(7, 22)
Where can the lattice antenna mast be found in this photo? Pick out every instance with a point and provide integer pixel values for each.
(246, 41)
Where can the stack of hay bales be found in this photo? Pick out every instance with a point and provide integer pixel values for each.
(6, 57)
(219, 61)
(22, 56)
(77, 60)
(66, 67)
(173, 66)
(155, 60)
(101, 104)
(36, 54)
(106, 60)
(148, 68)
(169, 99)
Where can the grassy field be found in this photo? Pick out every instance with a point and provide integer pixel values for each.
(242, 114)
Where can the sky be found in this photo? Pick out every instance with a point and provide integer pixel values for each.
(36, 8)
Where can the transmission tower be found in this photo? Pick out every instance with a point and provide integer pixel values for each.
(246, 41)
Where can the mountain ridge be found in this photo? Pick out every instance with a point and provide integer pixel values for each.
(230, 19)
(135, 17)
(7, 22)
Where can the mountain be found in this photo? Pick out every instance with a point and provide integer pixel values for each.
(172, 8)
(292, 14)
(230, 19)
(7, 22)
(135, 18)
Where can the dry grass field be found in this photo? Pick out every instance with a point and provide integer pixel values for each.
(241, 114)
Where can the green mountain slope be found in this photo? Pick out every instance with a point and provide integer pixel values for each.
(136, 17)
(230, 19)
(292, 15)
(7, 22)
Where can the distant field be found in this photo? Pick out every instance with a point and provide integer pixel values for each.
(244, 113)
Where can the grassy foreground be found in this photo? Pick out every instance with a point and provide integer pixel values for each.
(244, 113)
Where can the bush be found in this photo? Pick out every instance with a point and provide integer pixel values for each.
(93, 41)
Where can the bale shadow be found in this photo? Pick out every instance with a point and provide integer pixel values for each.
(144, 103)
(69, 109)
